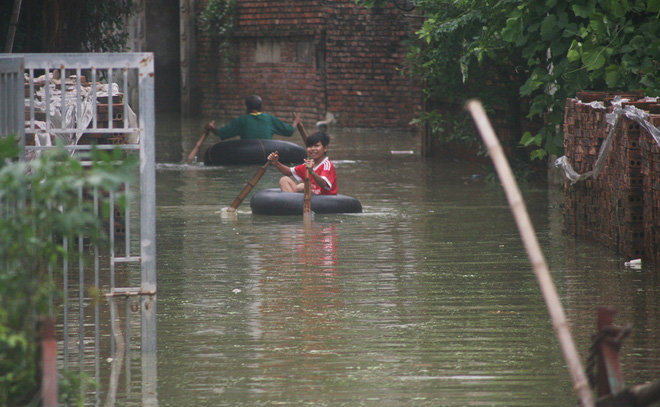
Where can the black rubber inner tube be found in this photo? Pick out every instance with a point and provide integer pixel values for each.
(273, 201)
(248, 152)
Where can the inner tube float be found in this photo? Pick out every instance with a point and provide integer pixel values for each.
(273, 201)
(253, 151)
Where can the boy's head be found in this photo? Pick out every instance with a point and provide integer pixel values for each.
(253, 103)
(316, 137)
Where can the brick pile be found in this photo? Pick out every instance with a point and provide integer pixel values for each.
(102, 113)
(620, 208)
(651, 185)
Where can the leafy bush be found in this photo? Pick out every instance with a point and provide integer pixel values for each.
(536, 54)
(41, 202)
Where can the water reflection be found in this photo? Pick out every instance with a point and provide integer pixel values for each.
(425, 299)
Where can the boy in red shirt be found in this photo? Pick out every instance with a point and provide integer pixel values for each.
(321, 171)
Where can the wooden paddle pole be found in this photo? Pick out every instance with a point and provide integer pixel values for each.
(194, 151)
(303, 132)
(246, 190)
(539, 264)
(307, 196)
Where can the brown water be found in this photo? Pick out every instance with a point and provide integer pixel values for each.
(425, 299)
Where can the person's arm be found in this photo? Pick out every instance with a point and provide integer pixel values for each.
(274, 158)
(281, 128)
(231, 129)
(321, 182)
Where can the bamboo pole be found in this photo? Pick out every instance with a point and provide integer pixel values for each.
(247, 188)
(539, 264)
(303, 132)
(307, 197)
(195, 149)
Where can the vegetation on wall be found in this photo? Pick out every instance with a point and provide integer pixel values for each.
(68, 25)
(217, 23)
(40, 204)
(533, 55)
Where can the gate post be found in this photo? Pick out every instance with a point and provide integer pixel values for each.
(12, 110)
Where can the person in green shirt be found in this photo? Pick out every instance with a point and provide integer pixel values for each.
(255, 124)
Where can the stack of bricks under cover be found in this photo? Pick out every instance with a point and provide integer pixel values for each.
(620, 207)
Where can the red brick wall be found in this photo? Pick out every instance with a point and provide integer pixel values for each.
(619, 208)
(334, 57)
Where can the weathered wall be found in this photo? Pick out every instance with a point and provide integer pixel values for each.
(620, 208)
(314, 57)
(162, 38)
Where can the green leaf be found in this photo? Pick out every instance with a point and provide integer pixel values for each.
(593, 58)
(583, 11)
(549, 27)
(573, 54)
(513, 29)
(653, 6)
(526, 139)
(612, 77)
(538, 154)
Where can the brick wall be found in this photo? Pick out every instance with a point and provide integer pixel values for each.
(620, 208)
(314, 57)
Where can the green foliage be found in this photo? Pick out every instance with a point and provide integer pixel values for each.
(104, 23)
(41, 202)
(217, 21)
(544, 51)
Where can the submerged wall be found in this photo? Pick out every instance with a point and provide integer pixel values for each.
(620, 206)
(313, 57)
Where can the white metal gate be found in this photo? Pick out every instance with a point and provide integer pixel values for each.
(106, 100)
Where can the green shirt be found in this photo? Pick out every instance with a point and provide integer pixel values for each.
(255, 126)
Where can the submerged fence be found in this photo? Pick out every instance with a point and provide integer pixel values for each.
(106, 319)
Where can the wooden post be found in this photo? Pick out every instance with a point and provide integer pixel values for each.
(13, 22)
(609, 378)
(539, 265)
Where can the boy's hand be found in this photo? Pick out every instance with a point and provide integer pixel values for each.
(273, 157)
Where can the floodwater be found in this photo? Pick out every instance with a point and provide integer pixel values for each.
(425, 299)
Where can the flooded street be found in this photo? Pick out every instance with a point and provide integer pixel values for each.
(427, 298)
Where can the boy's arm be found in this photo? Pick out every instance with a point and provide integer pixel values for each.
(274, 158)
(321, 182)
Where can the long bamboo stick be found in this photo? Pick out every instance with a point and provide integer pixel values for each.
(303, 132)
(248, 187)
(539, 264)
(198, 145)
(307, 196)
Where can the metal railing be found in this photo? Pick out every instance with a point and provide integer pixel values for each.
(106, 101)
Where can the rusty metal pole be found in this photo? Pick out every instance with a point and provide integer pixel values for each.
(48, 363)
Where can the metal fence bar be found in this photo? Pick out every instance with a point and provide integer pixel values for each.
(87, 100)
(12, 112)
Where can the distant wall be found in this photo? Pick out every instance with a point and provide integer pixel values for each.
(162, 39)
(314, 57)
(620, 208)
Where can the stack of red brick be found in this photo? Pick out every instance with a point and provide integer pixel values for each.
(621, 206)
(102, 113)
